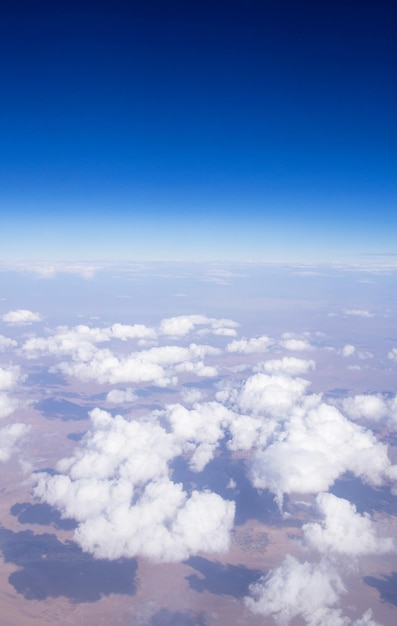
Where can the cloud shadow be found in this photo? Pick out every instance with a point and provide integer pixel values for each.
(220, 578)
(62, 409)
(387, 586)
(50, 568)
(228, 478)
(43, 514)
(366, 498)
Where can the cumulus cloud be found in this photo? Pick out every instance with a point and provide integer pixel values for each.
(182, 325)
(348, 350)
(310, 591)
(88, 361)
(6, 343)
(343, 530)
(294, 343)
(20, 317)
(250, 346)
(301, 443)
(365, 406)
(9, 377)
(10, 436)
(120, 396)
(117, 487)
(358, 313)
(289, 365)
(393, 354)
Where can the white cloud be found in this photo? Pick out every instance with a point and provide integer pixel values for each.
(120, 396)
(201, 427)
(343, 530)
(6, 343)
(250, 346)
(307, 590)
(20, 317)
(301, 444)
(358, 313)
(310, 591)
(348, 350)
(10, 436)
(315, 446)
(181, 325)
(262, 394)
(393, 354)
(117, 487)
(8, 379)
(365, 406)
(191, 395)
(296, 345)
(289, 365)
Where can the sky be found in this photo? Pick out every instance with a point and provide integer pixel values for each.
(198, 130)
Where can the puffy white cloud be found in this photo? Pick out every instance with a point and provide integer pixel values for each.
(20, 317)
(181, 325)
(367, 406)
(310, 591)
(358, 313)
(301, 444)
(134, 331)
(296, 345)
(348, 350)
(393, 354)
(191, 395)
(262, 394)
(157, 364)
(10, 436)
(199, 429)
(89, 362)
(289, 365)
(315, 446)
(117, 487)
(9, 377)
(119, 396)
(6, 343)
(343, 530)
(250, 346)
(307, 590)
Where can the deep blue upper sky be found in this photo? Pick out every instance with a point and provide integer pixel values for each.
(198, 129)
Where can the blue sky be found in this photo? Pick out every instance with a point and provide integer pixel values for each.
(222, 130)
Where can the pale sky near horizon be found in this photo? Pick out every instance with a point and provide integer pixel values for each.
(199, 130)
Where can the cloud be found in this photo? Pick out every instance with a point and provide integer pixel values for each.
(261, 394)
(289, 365)
(250, 346)
(120, 396)
(365, 406)
(348, 350)
(301, 444)
(343, 530)
(393, 354)
(10, 436)
(311, 591)
(358, 313)
(157, 364)
(20, 317)
(8, 379)
(295, 344)
(182, 325)
(118, 489)
(6, 343)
